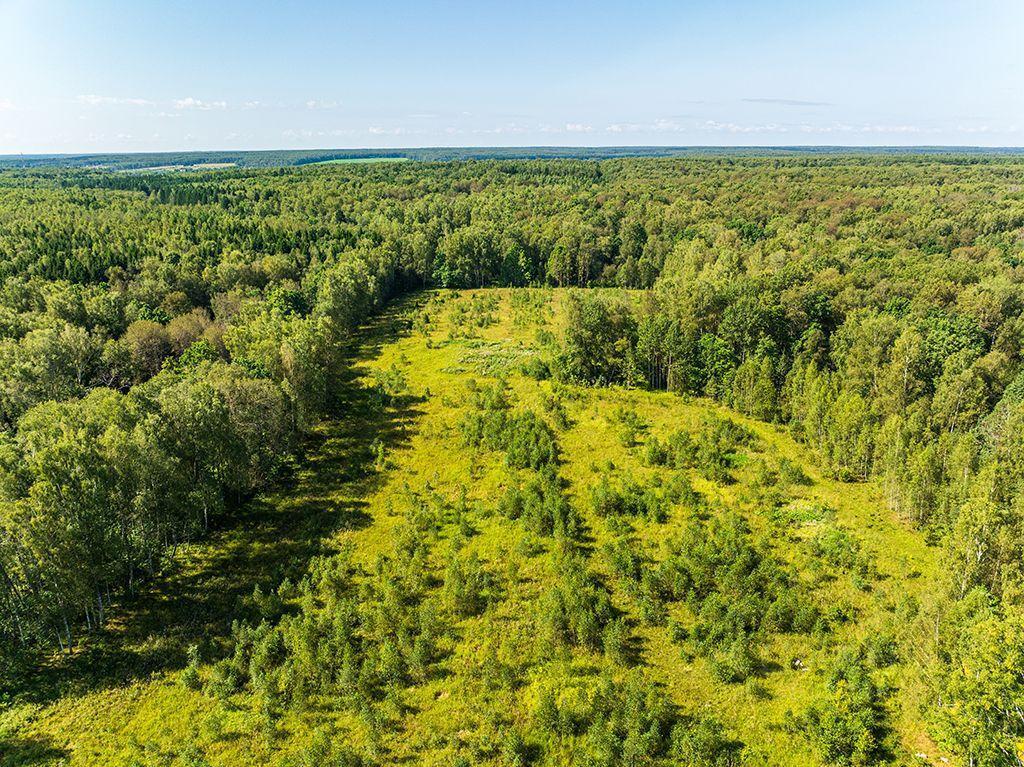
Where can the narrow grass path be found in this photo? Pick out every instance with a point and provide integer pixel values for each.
(117, 687)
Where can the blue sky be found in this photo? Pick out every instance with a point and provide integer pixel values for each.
(105, 75)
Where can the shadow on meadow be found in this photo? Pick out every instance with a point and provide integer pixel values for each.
(25, 752)
(259, 542)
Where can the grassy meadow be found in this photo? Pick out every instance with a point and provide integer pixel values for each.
(398, 453)
(359, 160)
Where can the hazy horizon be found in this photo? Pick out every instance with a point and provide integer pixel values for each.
(626, 148)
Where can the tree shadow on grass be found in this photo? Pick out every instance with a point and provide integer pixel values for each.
(259, 542)
(25, 752)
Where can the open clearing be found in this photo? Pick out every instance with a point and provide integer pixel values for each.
(122, 702)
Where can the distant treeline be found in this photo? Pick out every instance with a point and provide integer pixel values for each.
(279, 158)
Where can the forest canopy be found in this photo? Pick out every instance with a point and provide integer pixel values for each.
(166, 340)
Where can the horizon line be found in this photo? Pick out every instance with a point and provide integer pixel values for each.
(549, 147)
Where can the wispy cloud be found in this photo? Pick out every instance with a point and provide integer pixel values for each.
(500, 130)
(658, 126)
(377, 130)
(737, 128)
(94, 100)
(6, 105)
(789, 102)
(321, 104)
(729, 127)
(865, 128)
(987, 129)
(307, 133)
(193, 103)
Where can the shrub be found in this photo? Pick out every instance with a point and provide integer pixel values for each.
(190, 675)
(543, 506)
(656, 452)
(467, 585)
(616, 642)
(848, 727)
(536, 368)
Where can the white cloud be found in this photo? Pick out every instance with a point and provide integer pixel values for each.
(866, 128)
(987, 129)
(578, 128)
(789, 102)
(321, 104)
(255, 104)
(6, 105)
(307, 133)
(735, 128)
(510, 128)
(660, 125)
(193, 103)
(377, 130)
(716, 126)
(93, 100)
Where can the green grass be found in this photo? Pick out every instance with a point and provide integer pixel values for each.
(359, 160)
(119, 701)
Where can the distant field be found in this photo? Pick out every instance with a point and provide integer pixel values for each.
(359, 160)
(170, 168)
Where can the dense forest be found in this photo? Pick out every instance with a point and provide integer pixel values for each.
(169, 340)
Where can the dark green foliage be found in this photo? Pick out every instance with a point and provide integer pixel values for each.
(629, 499)
(555, 408)
(703, 743)
(468, 585)
(325, 751)
(656, 452)
(536, 368)
(637, 576)
(848, 728)
(514, 751)
(529, 442)
(839, 549)
(542, 505)
(624, 722)
(615, 642)
(577, 610)
(526, 439)
(736, 663)
(190, 675)
(597, 342)
(737, 591)
(631, 425)
(717, 446)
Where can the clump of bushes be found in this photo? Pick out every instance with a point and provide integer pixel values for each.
(577, 608)
(848, 727)
(528, 442)
(631, 722)
(541, 503)
(738, 592)
(835, 546)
